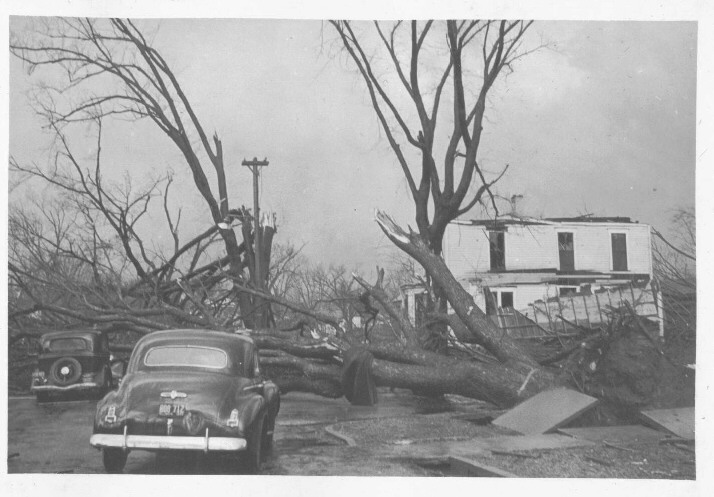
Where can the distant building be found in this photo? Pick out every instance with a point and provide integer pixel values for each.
(527, 273)
(521, 260)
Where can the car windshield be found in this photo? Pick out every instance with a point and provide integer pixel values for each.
(67, 345)
(186, 356)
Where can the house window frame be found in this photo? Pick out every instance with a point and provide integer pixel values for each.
(557, 242)
(611, 252)
(497, 293)
(490, 249)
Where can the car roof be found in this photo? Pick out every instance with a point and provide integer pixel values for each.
(71, 333)
(238, 344)
(192, 333)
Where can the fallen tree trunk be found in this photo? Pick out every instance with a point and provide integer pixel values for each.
(485, 332)
(400, 366)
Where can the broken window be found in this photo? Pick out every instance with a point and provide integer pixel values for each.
(497, 249)
(566, 291)
(619, 251)
(566, 251)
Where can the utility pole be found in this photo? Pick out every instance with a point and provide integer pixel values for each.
(253, 165)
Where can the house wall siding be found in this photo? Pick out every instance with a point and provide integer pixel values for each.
(466, 248)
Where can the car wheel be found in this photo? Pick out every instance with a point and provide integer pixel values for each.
(65, 371)
(114, 460)
(254, 453)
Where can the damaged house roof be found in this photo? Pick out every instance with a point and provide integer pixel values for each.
(510, 219)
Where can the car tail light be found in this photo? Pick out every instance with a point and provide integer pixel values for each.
(233, 420)
(111, 416)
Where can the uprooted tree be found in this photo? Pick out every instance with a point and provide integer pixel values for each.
(86, 258)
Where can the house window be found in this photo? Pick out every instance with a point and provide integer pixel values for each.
(619, 251)
(566, 251)
(565, 291)
(419, 309)
(497, 245)
(506, 299)
(497, 299)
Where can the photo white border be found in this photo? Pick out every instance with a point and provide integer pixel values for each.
(691, 10)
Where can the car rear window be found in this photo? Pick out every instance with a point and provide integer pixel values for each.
(186, 356)
(67, 345)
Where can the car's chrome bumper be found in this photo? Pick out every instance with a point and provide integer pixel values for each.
(157, 442)
(75, 386)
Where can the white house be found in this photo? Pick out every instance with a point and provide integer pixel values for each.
(520, 260)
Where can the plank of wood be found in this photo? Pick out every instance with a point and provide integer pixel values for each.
(461, 466)
(679, 421)
(622, 434)
(546, 411)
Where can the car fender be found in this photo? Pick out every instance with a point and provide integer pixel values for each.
(116, 398)
(249, 407)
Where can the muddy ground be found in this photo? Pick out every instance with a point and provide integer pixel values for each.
(404, 435)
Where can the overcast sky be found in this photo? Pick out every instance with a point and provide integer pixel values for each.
(601, 122)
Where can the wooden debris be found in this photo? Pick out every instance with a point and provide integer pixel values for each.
(679, 421)
(467, 467)
(546, 411)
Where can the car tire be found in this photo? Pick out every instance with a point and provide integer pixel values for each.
(267, 447)
(114, 460)
(254, 454)
(74, 371)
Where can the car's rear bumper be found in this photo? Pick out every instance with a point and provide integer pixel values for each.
(157, 442)
(74, 387)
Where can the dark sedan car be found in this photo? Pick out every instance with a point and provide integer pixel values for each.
(189, 390)
(72, 361)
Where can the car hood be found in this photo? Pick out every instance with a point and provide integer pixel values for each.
(209, 395)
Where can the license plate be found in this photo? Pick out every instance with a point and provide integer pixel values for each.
(171, 410)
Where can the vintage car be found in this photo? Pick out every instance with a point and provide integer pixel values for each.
(189, 390)
(72, 361)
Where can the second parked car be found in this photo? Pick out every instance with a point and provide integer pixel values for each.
(72, 361)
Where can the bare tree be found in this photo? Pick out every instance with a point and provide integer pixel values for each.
(80, 258)
(111, 69)
(444, 184)
(675, 257)
(675, 268)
